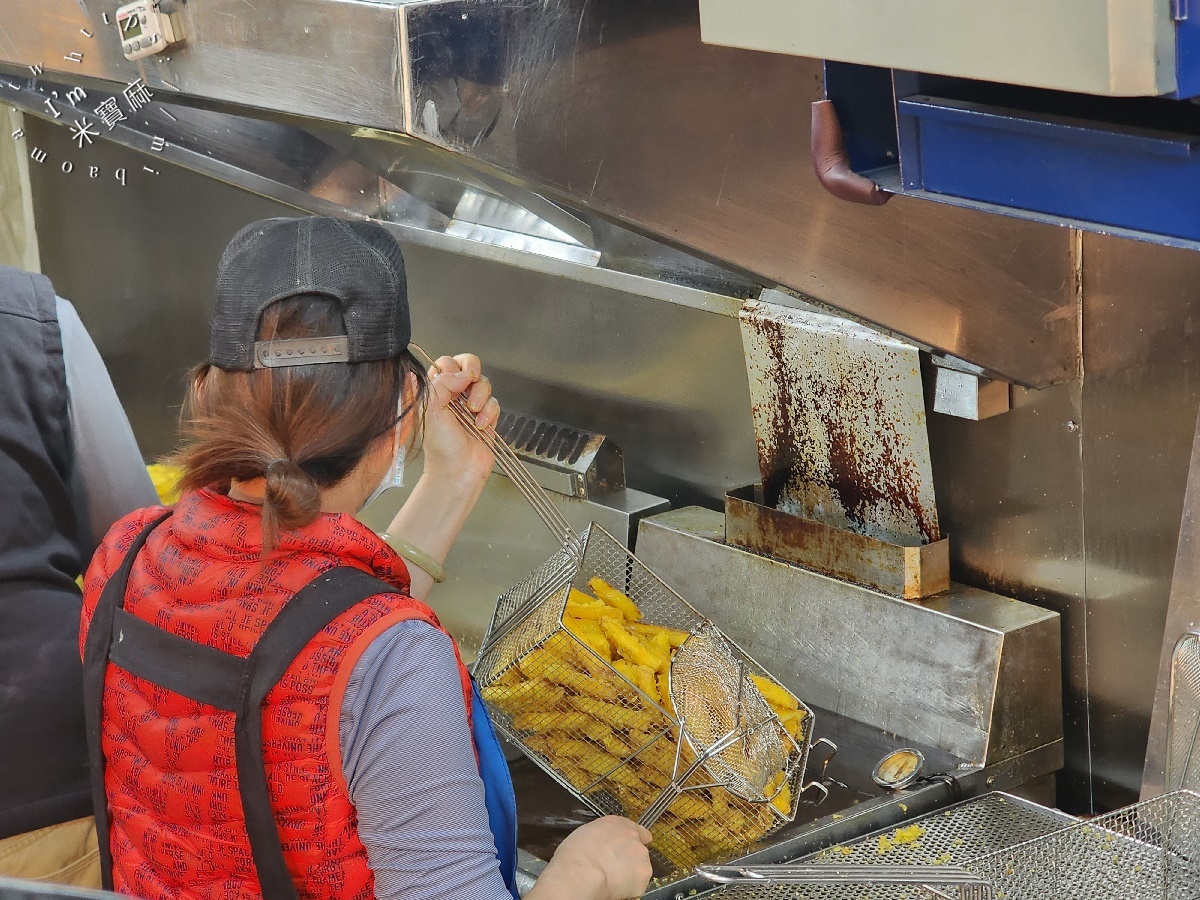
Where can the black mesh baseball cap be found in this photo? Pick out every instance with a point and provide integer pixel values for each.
(357, 264)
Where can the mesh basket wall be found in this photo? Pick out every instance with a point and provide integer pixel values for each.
(608, 735)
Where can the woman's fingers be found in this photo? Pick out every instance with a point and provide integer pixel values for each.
(489, 415)
(469, 362)
(444, 364)
(462, 375)
(479, 393)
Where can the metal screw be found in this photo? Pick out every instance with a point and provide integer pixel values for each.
(1072, 426)
(991, 780)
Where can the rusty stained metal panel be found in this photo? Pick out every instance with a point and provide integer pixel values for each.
(908, 572)
(839, 420)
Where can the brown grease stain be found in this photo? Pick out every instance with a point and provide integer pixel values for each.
(862, 483)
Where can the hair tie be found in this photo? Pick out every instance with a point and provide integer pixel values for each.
(274, 463)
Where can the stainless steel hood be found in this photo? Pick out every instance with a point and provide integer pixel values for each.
(563, 117)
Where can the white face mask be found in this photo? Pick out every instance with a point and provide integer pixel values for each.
(394, 476)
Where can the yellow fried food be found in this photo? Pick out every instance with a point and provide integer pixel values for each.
(674, 847)
(589, 632)
(793, 720)
(660, 646)
(552, 720)
(595, 610)
(628, 646)
(774, 694)
(690, 806)
(642, 677)
(675, 637)
(598, 688)
(556, 653)
(782, 799)
(523, 697)
(615, 714)
(615, 599)
(664, 691)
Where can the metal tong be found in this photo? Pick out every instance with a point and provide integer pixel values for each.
(510, 464)
(953, 882)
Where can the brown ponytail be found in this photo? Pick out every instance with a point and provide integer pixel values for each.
(302, 428)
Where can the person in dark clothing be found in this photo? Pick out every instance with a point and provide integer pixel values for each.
(69, 468)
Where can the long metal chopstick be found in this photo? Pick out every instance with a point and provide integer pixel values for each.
(510, 464)
(952, 881)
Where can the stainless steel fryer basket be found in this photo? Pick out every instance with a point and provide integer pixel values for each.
(606, 739)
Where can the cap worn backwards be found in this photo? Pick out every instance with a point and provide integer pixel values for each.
(358, 264)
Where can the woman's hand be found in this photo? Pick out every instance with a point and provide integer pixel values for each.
(603, 860)
(451, 452)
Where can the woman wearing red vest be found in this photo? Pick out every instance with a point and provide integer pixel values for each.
(271, 709)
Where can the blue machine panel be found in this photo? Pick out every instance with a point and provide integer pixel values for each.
(1187, 47)
(1109, 174)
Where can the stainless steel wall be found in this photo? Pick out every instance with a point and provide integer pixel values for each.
(667, 382)
(617, 105)
(1072, 500)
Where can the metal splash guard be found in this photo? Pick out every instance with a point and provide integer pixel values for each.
(839, 418)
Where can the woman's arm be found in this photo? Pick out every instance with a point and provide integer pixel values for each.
(456, 467)
(109, 475)
(409, 763)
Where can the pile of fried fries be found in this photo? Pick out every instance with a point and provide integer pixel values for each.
(594, 701)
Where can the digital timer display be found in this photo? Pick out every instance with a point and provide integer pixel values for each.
(131, 28)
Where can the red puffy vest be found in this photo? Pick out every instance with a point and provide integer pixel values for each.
(178, 829)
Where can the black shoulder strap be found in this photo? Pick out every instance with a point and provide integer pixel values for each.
(95, 665)
(316, 605)
(218, 679)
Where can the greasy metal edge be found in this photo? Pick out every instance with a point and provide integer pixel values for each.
(919, 571)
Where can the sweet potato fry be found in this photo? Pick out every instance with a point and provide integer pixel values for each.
(615, 599)
(774, 693)
(628, 646)
(674, 636)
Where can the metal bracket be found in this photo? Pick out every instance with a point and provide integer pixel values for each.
(1179, 10)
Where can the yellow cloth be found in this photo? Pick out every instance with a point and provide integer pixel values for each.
(166, 481)
(61, 854)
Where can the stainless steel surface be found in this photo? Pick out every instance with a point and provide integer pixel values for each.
(271, 55)
(1141, 389)
(1147, 851)
(839, 419)
(1087, 46)
(1183, 712)
(903, 571)
(319, 171)
(683, 438)
(1182, 616)
(611, 103)
(608, 105)
(969, 671)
